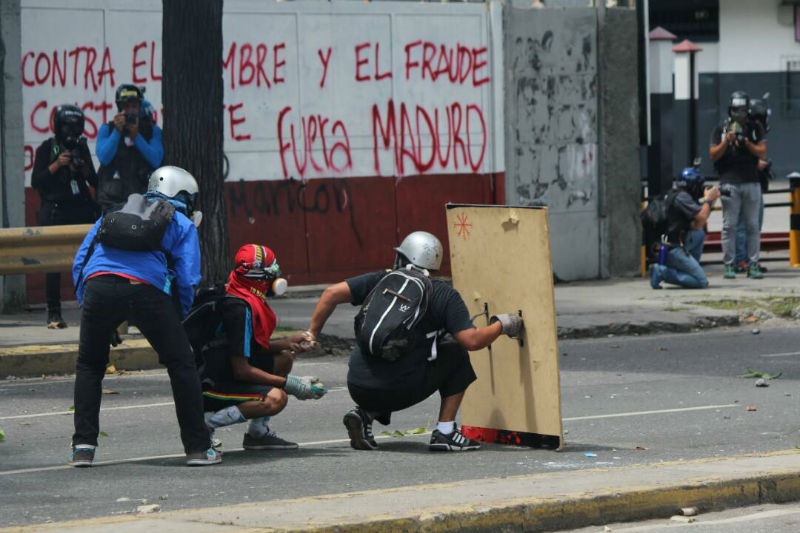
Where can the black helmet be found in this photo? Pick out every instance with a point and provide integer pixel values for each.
(127, 93)
(68, 125)
(739, 99)
(759, 111)
(738, 106)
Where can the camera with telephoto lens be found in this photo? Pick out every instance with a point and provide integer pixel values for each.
(77, 150)
(130, 118)
(725, 189)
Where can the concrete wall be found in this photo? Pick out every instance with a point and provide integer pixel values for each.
(303, 98)
(551, 128)
(620, 188)
(12, 183)
(562, 151)
(755, 35)
(348, 124)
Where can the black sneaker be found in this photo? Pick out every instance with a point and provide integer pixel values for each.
(54, 320)
(359, 427)
(452, 442)
(270, 441)
(82, 457)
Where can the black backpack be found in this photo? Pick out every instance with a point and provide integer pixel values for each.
(385, 324)
(139, 225)
(203, 325)
(654, 216)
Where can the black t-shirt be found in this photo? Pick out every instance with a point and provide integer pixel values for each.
(58, 187)
(738, 165)
(446, 311)
(681, 210)
(236, 339)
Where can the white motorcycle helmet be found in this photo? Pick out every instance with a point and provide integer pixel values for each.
(176, 183)
(422, 249)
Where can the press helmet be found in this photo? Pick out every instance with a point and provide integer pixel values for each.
(739, 99)
(127, 93)
(691, 180)
(68, 123)
(422, 249)
(176, 183)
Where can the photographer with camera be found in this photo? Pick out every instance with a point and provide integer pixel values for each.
(62, 171)
(759, 112)
(736, 147)
(129, 148)
(686, 215)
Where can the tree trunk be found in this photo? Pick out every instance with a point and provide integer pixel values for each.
(191, 90)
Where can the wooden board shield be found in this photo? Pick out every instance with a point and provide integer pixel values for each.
(500, 258)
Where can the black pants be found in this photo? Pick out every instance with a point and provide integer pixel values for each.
(451, 373)
(57, 214)
(108, 301)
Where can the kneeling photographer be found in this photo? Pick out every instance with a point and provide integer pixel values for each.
(62, 171)
(686, 218)
(736, 147)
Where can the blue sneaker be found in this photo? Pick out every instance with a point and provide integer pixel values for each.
(655, 276)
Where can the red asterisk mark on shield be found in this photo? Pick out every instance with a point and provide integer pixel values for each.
(462, 226)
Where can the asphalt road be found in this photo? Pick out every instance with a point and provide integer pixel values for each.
(630, 400)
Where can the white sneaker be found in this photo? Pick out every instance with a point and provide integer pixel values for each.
(208, 457)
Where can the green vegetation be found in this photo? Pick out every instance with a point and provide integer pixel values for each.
(780, 306)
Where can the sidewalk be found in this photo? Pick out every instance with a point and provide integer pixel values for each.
(584, 309)
(542, 502)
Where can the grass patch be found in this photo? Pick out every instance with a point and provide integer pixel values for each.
(729, 305)
(780, 306)
(783, 306)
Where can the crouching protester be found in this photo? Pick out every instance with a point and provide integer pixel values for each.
(412, 335)
(245, 372)
(688, 207)
(125, 269)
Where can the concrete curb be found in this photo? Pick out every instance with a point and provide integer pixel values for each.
(649, 327)
(52, 359)
(136, 354)
(559, 500)
(56, 359)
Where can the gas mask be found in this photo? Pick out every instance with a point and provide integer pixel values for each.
(739, 115)
(270, 276)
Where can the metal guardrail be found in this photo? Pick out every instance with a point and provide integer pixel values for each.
(40, 248)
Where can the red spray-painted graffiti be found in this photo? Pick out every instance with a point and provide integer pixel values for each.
(313, 137)
(394, 130)
(420, 138)
(53, 68)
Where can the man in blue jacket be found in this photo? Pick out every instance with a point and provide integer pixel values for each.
(115, 284)
(128, 148)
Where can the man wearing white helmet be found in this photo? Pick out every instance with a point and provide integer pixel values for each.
(433, 357)
(126, 269)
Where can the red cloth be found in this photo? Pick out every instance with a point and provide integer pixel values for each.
(254, 291)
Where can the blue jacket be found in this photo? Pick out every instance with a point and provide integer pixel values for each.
(108, 140)
(180, 241)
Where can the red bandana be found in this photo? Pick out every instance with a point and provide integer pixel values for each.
(254, 256)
